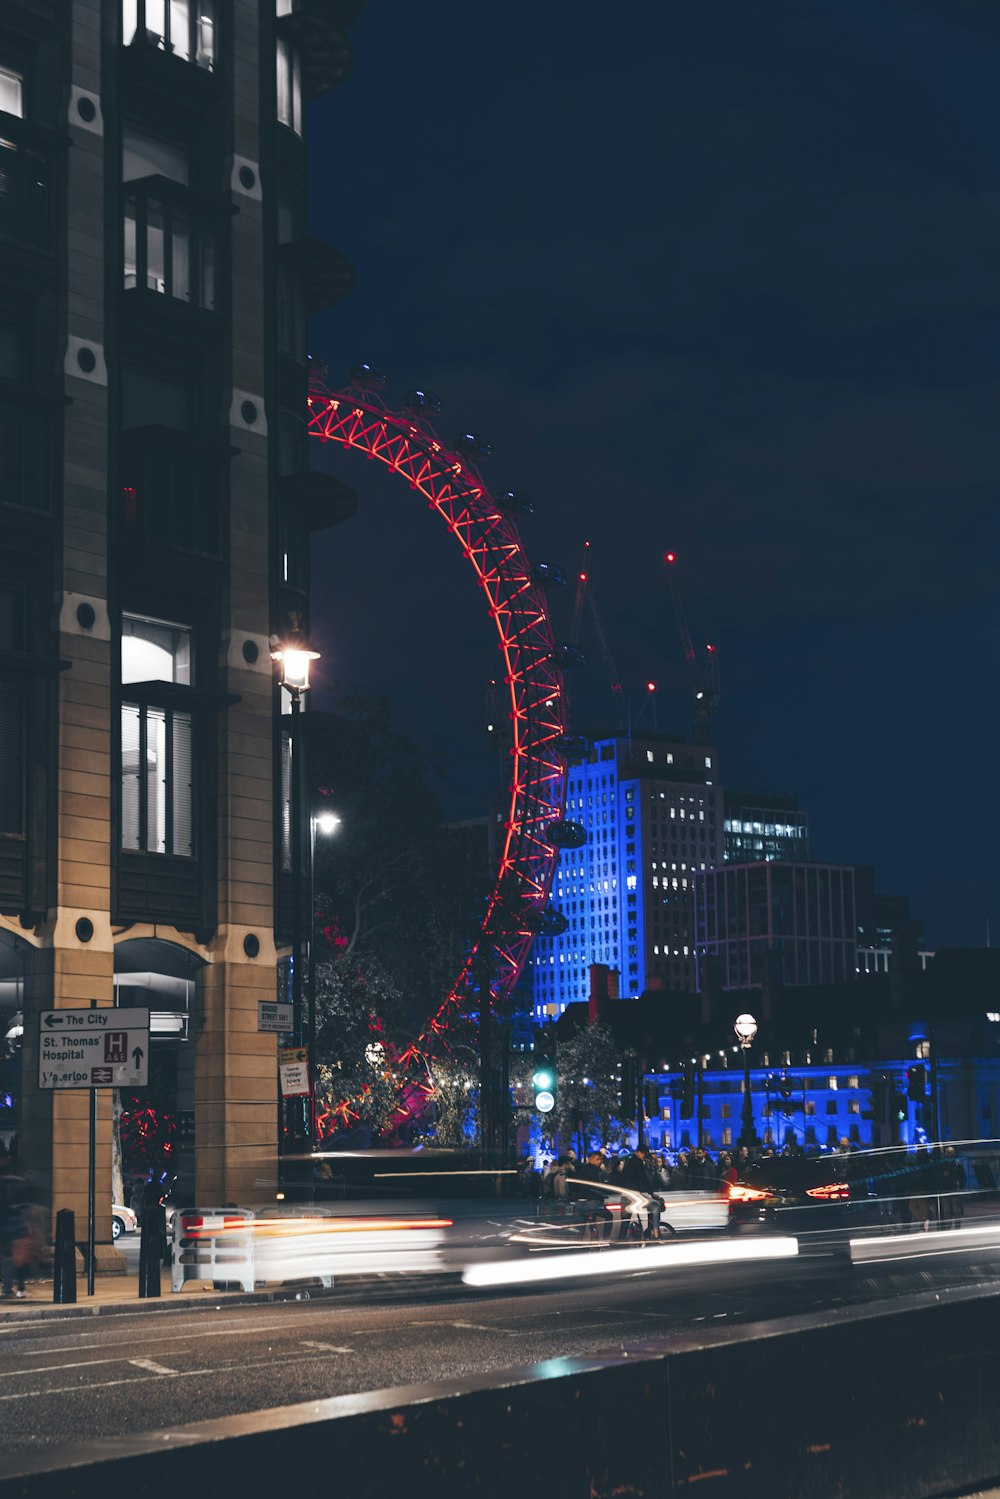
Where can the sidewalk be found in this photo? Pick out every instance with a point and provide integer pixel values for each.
(119, 1294)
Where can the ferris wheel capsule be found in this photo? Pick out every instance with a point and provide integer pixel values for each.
(515, 502)
(472, 445)
(548, 575)
(567, 657)
(369, 376)
(423, 403)
(573, 746)
(565, 833)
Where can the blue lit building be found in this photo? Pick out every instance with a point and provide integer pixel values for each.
(652, 807)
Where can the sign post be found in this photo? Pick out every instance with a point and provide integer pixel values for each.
(293, 1070)
(102, 1047)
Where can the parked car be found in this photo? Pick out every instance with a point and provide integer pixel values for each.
(123, 1220)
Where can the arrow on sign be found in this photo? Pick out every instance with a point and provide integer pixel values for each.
(51, 1020)
(137, 1057)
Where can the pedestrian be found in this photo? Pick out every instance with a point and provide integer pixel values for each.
(636, 1177)
(24, 1251)
(589, 1193)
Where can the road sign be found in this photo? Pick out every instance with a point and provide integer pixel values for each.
(293, 1070)
(274, 1017)
(102, 1048)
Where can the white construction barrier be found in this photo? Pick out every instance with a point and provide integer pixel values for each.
(215, 1244)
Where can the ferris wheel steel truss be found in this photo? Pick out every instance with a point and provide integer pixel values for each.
(359, 420)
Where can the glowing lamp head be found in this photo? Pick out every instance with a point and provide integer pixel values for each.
(327, 822)
(745, 1028)
(294, 662)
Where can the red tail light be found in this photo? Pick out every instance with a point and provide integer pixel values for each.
(739, 1193)
(833, 1191)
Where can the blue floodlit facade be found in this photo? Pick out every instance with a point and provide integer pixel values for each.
(652, 808)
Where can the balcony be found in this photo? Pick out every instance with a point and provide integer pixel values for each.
(169, 243)
(316, 29)
(325, 274)
(170, 489)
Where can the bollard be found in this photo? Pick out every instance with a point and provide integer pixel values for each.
(64, 1259)
(151, 1250)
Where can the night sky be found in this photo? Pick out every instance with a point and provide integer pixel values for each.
(720, 277)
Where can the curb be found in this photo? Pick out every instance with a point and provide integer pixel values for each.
(357, 1291)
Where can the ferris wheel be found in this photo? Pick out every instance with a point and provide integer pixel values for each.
(484, 525)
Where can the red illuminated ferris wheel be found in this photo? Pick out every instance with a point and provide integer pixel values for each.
(484, 525)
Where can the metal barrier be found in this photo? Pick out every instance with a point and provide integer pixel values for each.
(215, 1244)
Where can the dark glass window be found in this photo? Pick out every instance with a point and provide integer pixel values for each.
(170, 479)
(11, 757)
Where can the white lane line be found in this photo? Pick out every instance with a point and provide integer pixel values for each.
(178, 1337)
(147, 1363)
(325, 1347)
(478, 1327)
(86, 1363)
(110, 1384)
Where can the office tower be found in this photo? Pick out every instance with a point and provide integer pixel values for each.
(652, 808)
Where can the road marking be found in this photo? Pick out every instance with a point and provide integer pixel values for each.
(178, 1337)
(478, 1327)
(325, 1347)
(147, 1363)
(110, 1384)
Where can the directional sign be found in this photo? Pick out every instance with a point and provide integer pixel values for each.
(102, 1048)
(293, 1069)
(274, 1017)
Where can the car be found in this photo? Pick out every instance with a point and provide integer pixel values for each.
(123, 1220)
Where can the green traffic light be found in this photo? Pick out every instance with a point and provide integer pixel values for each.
(543, 1079)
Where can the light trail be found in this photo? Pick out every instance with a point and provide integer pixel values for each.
(627, 1261)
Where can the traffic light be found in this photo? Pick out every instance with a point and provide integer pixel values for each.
(880, 1095)
(916, 1083)
(901, 1110)
(543, 1083)
(629, 1086)
(687, 1094)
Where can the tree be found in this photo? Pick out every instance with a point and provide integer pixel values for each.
(588, 1097)
(399, 899)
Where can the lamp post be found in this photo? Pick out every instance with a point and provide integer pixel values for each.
(294, 658)
(746, 1028)
(325, 822)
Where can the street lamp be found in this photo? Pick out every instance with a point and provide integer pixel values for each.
(325, 822)
(746, 1028)
(294, 658)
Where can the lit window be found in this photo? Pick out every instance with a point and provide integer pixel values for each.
(289, 86)
(156, 741)
(184, 28)
(649, 756)
(11, 93)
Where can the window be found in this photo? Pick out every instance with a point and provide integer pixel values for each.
(289, 86)
(168, 247)
(156, 741)
(11, 758)
(11, 93)
(171, 480)
(184, 28)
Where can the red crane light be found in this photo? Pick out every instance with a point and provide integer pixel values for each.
(650, 686)
(670, 556)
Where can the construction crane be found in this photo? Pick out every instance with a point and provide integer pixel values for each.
(621, 708)
(582, 579)
(703, 670)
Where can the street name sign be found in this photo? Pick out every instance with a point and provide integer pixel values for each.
(275, 1017)
(293, 1069)
(101, 1048)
